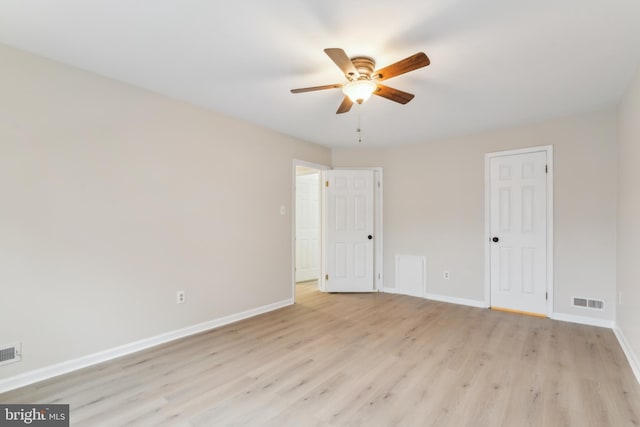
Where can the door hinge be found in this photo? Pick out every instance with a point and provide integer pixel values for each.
(546, 296)
(546, 168)
(326, 277)
(378, 184)
(326, 183)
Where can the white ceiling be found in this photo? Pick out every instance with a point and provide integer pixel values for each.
(494, 63)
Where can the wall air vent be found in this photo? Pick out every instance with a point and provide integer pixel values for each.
(594, 304)
(580, 302)
(10, 353)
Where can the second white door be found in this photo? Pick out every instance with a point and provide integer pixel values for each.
(349, 231)
(518, 228)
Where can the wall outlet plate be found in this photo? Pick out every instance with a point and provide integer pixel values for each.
(180, 297)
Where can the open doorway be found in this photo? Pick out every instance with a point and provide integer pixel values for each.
(307, 227)
(311, 236)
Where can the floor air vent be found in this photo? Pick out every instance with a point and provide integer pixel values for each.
(10, 353)
(594, 304)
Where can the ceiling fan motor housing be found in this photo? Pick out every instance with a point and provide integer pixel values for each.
(364, 65)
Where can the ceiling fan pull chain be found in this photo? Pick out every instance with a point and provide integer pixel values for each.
(359, 127)
(360, 123)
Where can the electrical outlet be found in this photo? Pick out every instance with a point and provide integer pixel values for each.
(446, 275)
(283, 210)
(180, 297)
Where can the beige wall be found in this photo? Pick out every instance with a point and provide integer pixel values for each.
(434, 206)
(629, 216)
(113, 198)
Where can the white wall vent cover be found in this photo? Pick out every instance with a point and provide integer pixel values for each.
(411, 275)
(10, 353)
(594, 304)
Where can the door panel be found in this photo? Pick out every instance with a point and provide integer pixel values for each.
(518, 220)
(349, 197)
(307, 227)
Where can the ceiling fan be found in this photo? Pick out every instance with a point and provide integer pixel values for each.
(364, 81)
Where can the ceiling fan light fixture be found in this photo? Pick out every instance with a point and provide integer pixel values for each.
(364, 80)
(359, 91)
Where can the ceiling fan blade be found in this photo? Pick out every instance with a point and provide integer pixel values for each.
(312, 88)
(343, 62)
(393, 94)
(345, 106)
(411, 63)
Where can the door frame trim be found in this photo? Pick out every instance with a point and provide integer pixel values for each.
(548, 149)
(319, 167)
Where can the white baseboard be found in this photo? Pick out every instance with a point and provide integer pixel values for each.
(443, 298)
(47, 372)
(456, 300)
(591, 321)
(628, 351)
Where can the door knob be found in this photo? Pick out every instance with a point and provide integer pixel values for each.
(495, 239)
(369, 237)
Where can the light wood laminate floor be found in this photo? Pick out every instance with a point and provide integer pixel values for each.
(361, 359)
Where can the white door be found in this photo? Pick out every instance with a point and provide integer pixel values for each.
(518, 232)
(307, 227)
(349, 230)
